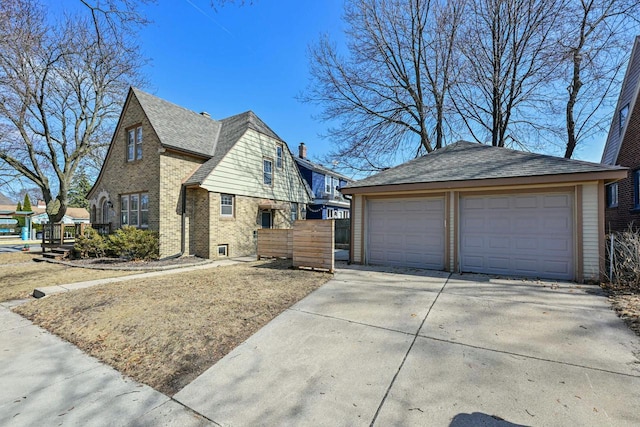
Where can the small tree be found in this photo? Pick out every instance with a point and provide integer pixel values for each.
(19, 207)
(26, 205)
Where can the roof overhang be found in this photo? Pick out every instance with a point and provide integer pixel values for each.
(606, 176)
(271, 205)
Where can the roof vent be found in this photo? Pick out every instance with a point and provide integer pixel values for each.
(205, 114)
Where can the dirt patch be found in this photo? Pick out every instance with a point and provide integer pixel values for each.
(626, 303)
(166, 331)
(18, 279)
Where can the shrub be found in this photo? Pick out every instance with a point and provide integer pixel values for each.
(133, 244)
(626, 258)
(90, 244)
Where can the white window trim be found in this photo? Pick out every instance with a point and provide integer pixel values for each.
(264, 172)
(612, 195)
(232, 205)
(328, 181)
(226, 250)
(279, 155)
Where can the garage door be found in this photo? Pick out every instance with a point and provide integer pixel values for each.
(406, 232)
(524, 235)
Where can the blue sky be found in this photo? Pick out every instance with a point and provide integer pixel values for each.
(239, 58)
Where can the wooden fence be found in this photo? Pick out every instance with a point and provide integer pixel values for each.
(275, 243)
(310, 244)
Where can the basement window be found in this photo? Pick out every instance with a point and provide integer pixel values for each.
(223, 250)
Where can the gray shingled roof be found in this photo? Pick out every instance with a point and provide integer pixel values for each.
(628, 96)
(232, 129)
(178, 127)
(463, 161)
(186, 130)
(319, 168)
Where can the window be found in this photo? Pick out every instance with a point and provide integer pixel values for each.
(226, 205)
(134, 144)
(612, 195)
(624, 112)
(134, 207)
(329, 213)
(134, 210)
(279, 156)
(328, 182)
(223, 250)
(294, 211)
(267, 172)
(105, 211)
(124, 210)
(144, 210)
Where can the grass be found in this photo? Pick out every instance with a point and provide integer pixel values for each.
(165, 332)
(19, 275)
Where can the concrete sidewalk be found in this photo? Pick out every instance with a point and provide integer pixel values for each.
(49, 382)
(51, 290)
(426, 348)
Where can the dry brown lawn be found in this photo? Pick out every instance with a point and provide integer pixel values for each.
(165, 331)
(19, 275)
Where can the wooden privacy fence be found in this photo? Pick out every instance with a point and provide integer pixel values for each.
(275, 243)
(310, 243)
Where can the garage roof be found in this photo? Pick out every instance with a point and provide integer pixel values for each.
(466, 161)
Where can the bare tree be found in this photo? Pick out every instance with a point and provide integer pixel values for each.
(506, 48)
(388, 93)
(61, 89)
(594, 41)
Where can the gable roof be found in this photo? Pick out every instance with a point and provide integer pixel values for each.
(178, 127)
(4, 200)
(466, 161)
(231, 130)
(306, 163)
(628, 96)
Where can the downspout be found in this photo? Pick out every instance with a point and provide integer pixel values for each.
(183, 194)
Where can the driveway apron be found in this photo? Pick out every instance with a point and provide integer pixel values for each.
(410, 347)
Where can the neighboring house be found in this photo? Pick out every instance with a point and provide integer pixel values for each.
(328, 202)
(204, 185)
(72, 216)
(471, 207)
(623, 149)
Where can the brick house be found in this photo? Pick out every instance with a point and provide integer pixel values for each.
(623, 149)
(204, 185)
(328, 202)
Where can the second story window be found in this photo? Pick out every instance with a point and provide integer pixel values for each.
(267, 172)
(328, 182)
(279, 150)
(134, 144)
(624, 112)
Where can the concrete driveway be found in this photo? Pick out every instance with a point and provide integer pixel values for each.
(407, 348)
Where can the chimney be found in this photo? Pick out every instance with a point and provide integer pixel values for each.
(205, 114)
(302, 151)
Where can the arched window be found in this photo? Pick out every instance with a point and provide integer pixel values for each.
(105, 211)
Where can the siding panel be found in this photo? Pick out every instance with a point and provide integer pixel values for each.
(356, 223)
(590, 242)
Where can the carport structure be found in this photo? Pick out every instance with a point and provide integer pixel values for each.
(476, 208)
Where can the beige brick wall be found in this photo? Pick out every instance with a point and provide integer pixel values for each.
(174, 169)
(198, 213)
(121, 177)
(238, 232)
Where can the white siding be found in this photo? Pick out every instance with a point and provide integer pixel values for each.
(356, 223)
(590, 241)
(452, 230)
(240, 171)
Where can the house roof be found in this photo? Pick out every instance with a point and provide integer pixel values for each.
(231, 130)
(178, 127)
(4, 200)
(628, 95)
(75, 213)
(319, 168)
(467, 161)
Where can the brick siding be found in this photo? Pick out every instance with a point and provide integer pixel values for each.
(619, 218)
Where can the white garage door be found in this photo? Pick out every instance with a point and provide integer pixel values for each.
(406, 232)
(524, 235)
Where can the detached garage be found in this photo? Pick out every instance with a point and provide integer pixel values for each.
(475, 208)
